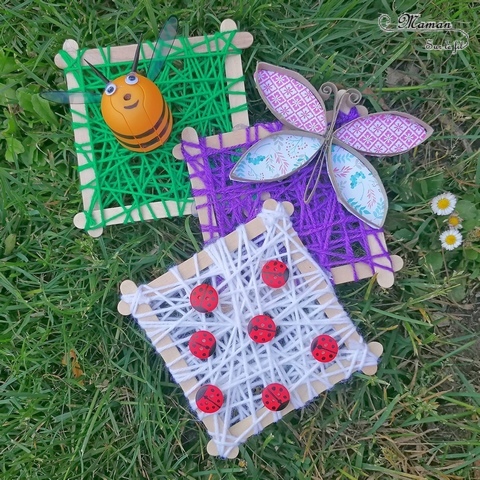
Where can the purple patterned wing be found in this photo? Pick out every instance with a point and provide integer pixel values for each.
(291, 98)
(387, 133)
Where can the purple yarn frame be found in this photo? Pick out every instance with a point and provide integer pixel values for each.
(333, 235)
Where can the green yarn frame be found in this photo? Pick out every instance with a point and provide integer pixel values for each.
(197, 91)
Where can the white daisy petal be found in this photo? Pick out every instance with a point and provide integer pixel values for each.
(451, 239)
(444, 204)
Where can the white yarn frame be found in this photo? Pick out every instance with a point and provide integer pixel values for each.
(303, 309)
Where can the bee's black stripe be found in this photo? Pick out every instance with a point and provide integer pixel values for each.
(165, 111)
(140, 145)
(167, 125)
(151, 142)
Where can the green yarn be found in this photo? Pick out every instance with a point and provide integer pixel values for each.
(196, 90)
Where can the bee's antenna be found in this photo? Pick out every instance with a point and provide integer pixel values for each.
(137, 56)
(97, 72)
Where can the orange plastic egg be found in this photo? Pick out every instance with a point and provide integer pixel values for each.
(136, 112)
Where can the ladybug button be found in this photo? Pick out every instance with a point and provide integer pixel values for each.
(275, 273)
(275, 397)
(204, 298)
(324, 348)
(261, 329)
(202, 344)
(209, 398)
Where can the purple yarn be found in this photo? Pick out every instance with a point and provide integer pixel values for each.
(333, 235)
(346, 117)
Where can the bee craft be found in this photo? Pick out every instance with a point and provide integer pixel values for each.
(132, 105)
(312, 137)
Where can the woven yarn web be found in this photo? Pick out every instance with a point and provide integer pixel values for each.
(196, 89)
(240, 367)
(332, 234)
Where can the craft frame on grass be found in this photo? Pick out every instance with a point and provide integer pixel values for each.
(307, 280)
(380, 264)
(156, 200)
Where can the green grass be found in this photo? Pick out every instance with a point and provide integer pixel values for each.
(417, 419)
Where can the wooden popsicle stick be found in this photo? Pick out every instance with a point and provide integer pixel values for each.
(230, 139)
(123, 308)
(124, 53)
(82, 137)
(212, 449)
(233, 69)
(127, 287)
(346, 273)
(385, 277)
(190, 135)
(152, 211)
(377, 349)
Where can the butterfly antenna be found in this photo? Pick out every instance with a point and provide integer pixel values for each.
(318, 160)
(97, 72)
(137, 56)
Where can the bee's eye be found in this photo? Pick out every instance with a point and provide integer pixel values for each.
(110, 89)
(131, 79)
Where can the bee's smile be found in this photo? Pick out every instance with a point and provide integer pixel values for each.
(133, 105)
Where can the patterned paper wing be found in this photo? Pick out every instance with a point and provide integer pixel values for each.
(276, 157)
(357, 185)
(384, 134)
(291, 98)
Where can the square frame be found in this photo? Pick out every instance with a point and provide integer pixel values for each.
(95, 216)
(385, 265)
(171, 354)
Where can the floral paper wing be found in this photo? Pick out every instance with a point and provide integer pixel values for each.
(291, 98)
(276, 157)
(387, 133)
(357, 185)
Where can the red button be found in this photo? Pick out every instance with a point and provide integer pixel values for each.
(275, 273)
(204, 298)
(275, 397)
(202, 344)
(324, 348)
(261, 329)
(209, 399)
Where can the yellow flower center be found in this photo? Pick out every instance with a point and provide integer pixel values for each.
(450, 239)
(443, 203)
(454, 221)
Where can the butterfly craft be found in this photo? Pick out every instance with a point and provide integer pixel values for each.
(313, 138)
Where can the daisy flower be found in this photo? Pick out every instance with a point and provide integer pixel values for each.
(451, 239)
(454, 221)
(444, 204)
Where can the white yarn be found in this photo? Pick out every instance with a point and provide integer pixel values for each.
(240, 367)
